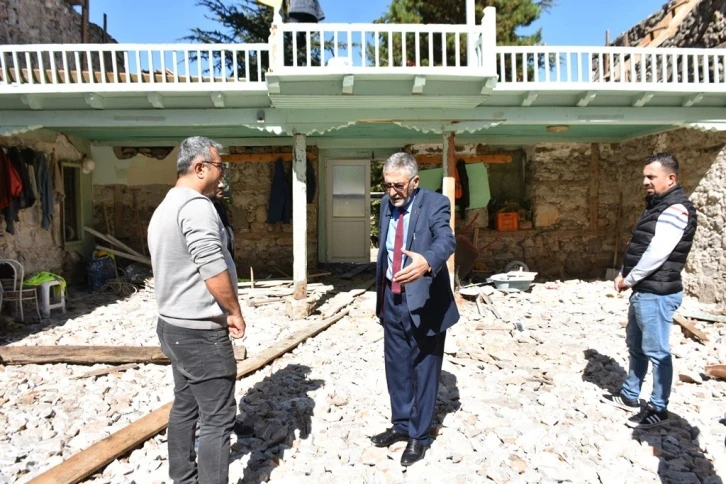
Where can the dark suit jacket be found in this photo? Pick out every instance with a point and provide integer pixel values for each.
(429, 298)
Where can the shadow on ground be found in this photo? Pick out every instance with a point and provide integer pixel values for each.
(79, 302)
(280, 410)
(675, 443)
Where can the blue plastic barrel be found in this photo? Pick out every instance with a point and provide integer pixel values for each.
(100, 270)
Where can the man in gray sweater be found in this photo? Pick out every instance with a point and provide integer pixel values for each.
(196, 291)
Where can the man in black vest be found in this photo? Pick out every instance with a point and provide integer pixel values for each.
(652, 267)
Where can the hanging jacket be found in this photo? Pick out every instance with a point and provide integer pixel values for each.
(667, 278)
(280, 204)
(10, 189)
(20, 163)
(310, 182)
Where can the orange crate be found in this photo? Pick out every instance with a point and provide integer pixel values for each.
(507, 221)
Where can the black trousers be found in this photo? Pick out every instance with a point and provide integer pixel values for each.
(204, 370)
(413, 367)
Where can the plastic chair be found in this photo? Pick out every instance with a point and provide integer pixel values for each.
(47, 302)
(13, 288)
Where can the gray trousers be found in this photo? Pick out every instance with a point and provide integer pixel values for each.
(204, 370)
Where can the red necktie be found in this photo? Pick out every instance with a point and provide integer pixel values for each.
(397, 254)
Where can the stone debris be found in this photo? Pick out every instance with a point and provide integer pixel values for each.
(514, 407)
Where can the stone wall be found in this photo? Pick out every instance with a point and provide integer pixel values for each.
(260, 245)
(38, 249)
(266, 248)
(561, 244)
(43, 22)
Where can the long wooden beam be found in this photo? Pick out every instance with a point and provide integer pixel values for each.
(96, 457)
(489, 158)
(260, 157)
(84, 355)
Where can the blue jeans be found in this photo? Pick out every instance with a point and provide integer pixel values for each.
(649, 327)
(204, 370)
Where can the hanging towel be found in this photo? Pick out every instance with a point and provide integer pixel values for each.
(11, 186)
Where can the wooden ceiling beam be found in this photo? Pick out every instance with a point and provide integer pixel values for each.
(489, 158)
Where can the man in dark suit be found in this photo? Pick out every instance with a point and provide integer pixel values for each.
(415, 303)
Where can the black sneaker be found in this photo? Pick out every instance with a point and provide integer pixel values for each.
(621, 402)
(649, 417)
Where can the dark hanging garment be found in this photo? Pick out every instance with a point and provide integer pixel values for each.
(20, 163)
(44, 178)
(280, 205)
(310, 181)
(305, 11)
(463, 201)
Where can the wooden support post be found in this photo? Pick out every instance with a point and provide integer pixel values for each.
(118, 212)
(300, 218)
(594, 184)
(85, 38)
(449, 189)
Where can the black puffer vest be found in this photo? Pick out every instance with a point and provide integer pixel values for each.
(667, 278)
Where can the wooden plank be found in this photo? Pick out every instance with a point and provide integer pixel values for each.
(716, 371)
(113, 240)
(689, 329)
(106, 371)
(260, 157)
(702, 316)
(300, 219)
(143, 260)
(118, 211)
(85, 355)
(493, 158)
(594, 192)
(83, 464)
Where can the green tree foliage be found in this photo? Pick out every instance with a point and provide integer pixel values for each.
(511, 16)
(246, 21)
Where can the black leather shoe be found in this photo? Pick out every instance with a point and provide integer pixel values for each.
(413, 452)
(388, 438)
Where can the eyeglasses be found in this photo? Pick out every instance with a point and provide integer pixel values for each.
(399, 187)
(219, 166)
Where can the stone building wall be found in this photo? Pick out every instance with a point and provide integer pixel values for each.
(36, 248)
(561, 245)
(123, 193)
(705, 26)
(43, 22)
(260, 245)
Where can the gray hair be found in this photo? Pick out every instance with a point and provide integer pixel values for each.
(401, 160)
(191, 149)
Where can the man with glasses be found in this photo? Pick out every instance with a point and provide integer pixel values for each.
(196, 292)
(414, 301)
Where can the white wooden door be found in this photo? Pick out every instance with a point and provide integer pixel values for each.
(348, 210)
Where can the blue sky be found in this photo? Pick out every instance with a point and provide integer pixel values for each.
(570, 22)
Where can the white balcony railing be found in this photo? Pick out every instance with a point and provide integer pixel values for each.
(355, 48)
(119, 67)
(541, 67)
(377, 46)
